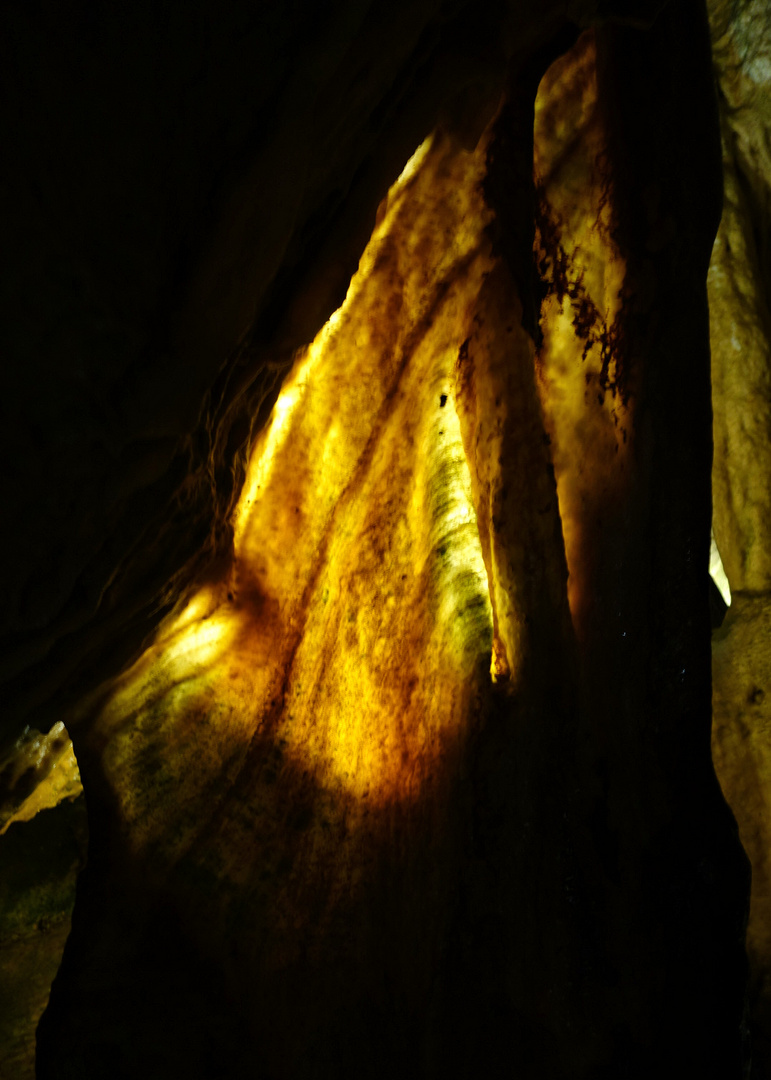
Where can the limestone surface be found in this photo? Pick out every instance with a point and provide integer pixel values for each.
(740, 333)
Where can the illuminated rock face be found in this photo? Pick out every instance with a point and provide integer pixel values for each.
(740, 329)
(297, 736)
(582, 359)
(187, 199)
(418, 781)
(38, 772)
(336, 658)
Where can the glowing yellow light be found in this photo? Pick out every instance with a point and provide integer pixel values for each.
(381, 562)
(273, 438)
(346, 637)
(412, 166)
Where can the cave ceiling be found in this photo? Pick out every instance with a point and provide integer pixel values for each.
(358, 528)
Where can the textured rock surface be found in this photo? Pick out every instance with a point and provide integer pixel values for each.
(187, 192)
(741, 672)
(36, 773)
(538, 871)
(740, 331)
(323, 841)
(740, 323)
(291, 745)
(39, 862)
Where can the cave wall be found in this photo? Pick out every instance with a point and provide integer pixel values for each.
(142, 264)
(187, 195)
(740, 330)
(39, 865)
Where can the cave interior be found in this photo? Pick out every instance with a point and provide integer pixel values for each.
(386, 620)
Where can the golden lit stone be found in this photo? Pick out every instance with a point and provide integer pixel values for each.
(740, 336)
(397, 543)
(383, 554)
(741, 398)
(38, 772)
(344, 644)
(585, 395)
(340, 754)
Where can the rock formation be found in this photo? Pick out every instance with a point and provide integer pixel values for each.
(740, 330)
(376, 603)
